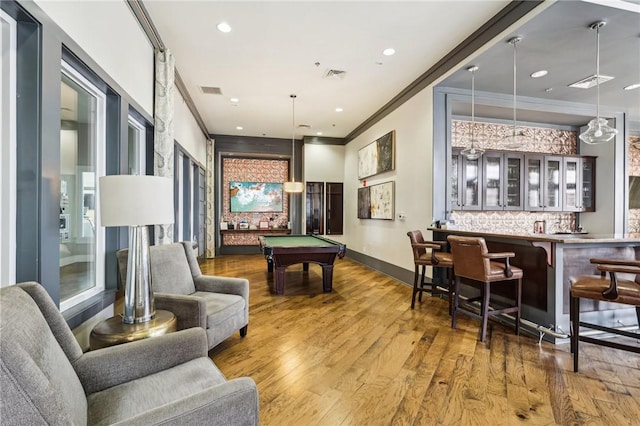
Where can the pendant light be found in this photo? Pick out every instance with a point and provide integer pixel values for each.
(293, 186)
(516, 137)
(472, 152)
(599, 130)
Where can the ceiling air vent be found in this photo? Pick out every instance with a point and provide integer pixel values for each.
(334, 74)
(208, 90)
(591, 81)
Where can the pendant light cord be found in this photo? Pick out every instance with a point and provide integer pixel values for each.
(598, 70)
(293, 137)
(514, 41)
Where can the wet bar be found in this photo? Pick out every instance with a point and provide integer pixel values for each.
(548, 261)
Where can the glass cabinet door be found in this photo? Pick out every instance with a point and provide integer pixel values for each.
(533, 182)
(334, 208)
(492, 198)
(454, 183)
(552, 183)
(571, 173)
(588, 181)
(472, 178)
(513, 186)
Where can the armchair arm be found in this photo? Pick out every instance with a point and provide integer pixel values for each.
(234, 402)
(432, 245)
(217, 284)
(502, 255)
(616, 265)
(190, 311)
(104, 368)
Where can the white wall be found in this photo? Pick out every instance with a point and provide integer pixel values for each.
(323, 163)
(187, 132)
(110, 34)
(387, 240)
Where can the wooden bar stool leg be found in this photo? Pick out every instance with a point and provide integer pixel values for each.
(574, 313)
(415, 286)
(486, 295)
(455, 302)
(451, 292)
(424, 268)
(519, 305)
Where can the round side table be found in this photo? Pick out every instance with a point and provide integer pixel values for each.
(113, 331)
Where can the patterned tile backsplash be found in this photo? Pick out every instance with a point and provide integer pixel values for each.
(513, 222)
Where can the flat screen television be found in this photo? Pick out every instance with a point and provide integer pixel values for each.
(634, 192)
(255, 197)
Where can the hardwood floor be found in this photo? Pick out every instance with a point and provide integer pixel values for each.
(361, 356)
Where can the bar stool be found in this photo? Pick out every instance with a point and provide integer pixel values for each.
(473, 261)
(425, 254)
(613, 289)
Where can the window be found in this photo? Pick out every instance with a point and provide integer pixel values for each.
(136, 146)
(82, 160)
(7, 150)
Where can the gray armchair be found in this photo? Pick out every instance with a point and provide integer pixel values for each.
(220, 305)
(45, 379)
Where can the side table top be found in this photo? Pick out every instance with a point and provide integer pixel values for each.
(113, 331)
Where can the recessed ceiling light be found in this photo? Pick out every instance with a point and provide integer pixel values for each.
(239, 128)
(632, 86)
(223, 27)
(234, 100)
(540, 73)
(548, 89)
(319, 133)
(339, 109)
(389, 51)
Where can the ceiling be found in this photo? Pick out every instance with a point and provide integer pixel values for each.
(280, 48)
(560, 41)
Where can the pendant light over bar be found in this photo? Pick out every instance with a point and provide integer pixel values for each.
(293, 186)
(516, 137)
(599, 130)
(472, 152)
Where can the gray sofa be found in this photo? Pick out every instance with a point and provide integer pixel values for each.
(220, 305)
(46, 379)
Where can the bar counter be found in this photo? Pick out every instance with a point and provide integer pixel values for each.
(548, 261)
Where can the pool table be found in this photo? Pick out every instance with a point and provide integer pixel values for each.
(284, 250)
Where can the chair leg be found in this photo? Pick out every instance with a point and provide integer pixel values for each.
(243, 330)
(486, 294)
(415, 287)
(519, 305)
(574, 314)
(451, 293)
(424, 269)
(455, 302)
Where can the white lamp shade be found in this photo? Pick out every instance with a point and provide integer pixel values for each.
(133, 200)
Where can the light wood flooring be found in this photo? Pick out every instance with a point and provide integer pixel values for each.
(361, 356)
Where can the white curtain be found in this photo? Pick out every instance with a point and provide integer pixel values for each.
(164, 129)
(209, 213)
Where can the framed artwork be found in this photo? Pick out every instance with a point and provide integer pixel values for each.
(255, 197)
(376, 201)
(378, 156)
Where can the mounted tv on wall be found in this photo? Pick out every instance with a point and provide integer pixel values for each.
(255, 197)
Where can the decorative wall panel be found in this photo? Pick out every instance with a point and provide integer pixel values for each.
(252, 170)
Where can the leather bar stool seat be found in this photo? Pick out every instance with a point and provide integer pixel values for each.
(611, 288)
(474, 262)
(425, 254)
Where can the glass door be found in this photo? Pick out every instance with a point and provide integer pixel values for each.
(572, 198)
(513, 188)
(493, 171)
(455, 184)
(315, 208)
(588, 182)
(334, 208)
(552, 183)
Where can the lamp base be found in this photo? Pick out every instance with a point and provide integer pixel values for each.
(138, 294)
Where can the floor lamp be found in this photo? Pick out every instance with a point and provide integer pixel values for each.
(136, 201)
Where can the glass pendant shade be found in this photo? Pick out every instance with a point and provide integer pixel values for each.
(472, 152)
(516, 137)
(599, 130)
(292, 186)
